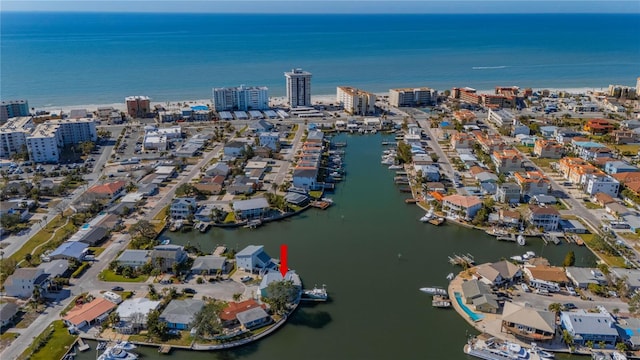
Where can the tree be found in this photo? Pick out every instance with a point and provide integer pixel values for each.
(143, 228)
(87, 147)
(27, 258)
(555, 308)
(567, 338)
(207, 321)
(237, 296)
(602, 344)
(569, 259)
(589, 344)
(280, 294)
(622, 347)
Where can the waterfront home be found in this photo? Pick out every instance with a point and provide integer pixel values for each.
(553, 274)
(134, 258)
(164, 256)
(315, 136)
(435, 186)
(533, 183)
(486, 303)
(631, 277)
(474, 289)
(572, 226)
(133, 314)
(508, 193)
(8, 312)
(498, 273)
(24, 280)
(461, 206)
(253, 318)
(429, 172)
(70, 250)
(218, 168)
(598, 182)
(253, 258)
(546, 218)
(90, 313)
(507, 160)
(254, 208)
(179, 314)
(305, 177)
(616, 167)
(275, 275)
(228, 315)
(585, 326)
(109, 191)
(506, 218)
(296, 199)
(582, 277)
(527, 323)
(182, 208)
(209, 264)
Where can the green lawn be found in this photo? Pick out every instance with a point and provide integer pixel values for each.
(52, 343)
(231, 218)
(591, 206)
(96, 250)
(39, 238)
(184, 339)
(316, 194)
(613, 261)
(543, 163)
(108, 275)
(627, 149)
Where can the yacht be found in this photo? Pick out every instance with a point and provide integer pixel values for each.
(434, 291)
(428, 216)
(521, 240)
(395, 167)
(318, 294)
(111, 353)
(616, 355)
(125, 345)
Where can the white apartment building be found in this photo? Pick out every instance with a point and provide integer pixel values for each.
(412, 97)
(75, 131)
(298, 87)
(44, 144)
(13, 135)
(241, 98)
(595, 183)
(502, 118)
(356, 101)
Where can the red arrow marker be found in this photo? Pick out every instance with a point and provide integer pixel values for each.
(283, 260)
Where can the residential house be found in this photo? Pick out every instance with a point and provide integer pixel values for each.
(505, 218)
(617, 209)
(182, 207)
(435, 186)
(599, 126)
(572, 226)
(179, 314)
(585, 326)
(508, 193)
(546, 218)
(533, 183)
(24, 280)
(629, 332)
(548, 131)
(429, 172)
(527, 323)
(210, 185)
(631, 277)
(273, 275)
(602, 199)
(228, 315)
(70, 250)
(582, 277)
(110, 191)
(14, 208)
(261, 126)
(8, 312)
(54, 268)
(87, 314)
(164, 256)
(461, 206)
(209, 212)
(296, 199)
(253, 318)
(548, 149)
(590, 150)
(253, 258)
(219, 168)
(242, 185)
(134, 258)
(133, 314)
(553, 274)
(542, 199)
(568, 165)
(616, 167)
(627, 177)
(270, 140)
(461, 140)
(251, 209)
(486, 303)
(600, 183)
(498, 273)
(209, 264)
(486, 177)
(234, 148)
(473, 289)
(490, 142)
(305, 177)
(625, 136)
(507, 161)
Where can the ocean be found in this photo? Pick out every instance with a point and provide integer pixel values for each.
(61, 59)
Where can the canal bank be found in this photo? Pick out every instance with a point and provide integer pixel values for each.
(373, 254)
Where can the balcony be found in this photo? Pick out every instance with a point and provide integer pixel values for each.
(526, 333)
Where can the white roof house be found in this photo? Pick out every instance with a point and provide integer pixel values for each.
(129, 309)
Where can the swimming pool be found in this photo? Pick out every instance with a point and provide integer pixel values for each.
(473, 316)
(85, 226)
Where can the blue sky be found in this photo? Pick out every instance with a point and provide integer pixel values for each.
(330, 6)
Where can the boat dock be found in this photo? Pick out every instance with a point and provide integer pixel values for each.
(410, 201)
(320, 204)
(219, 250)
(339, 144)
(437, 221)
(547, 238)
(82, 346)
(462, 260)
(252, 224)
(507, 237)
(164, 349)
(440, 301)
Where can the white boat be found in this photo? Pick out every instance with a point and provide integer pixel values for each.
(450, 276)
(165, 242)
(434, 291)
(317, 294)
(531, 254)
(616, 355)
(597, 355)
(111, 353)
(521, 240)
(543, 355)
(428, 216)
(388, 161)
(517, 258)
(329, 200)
(125, 345)
(395, 167)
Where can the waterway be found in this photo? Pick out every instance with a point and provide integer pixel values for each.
(373, 254)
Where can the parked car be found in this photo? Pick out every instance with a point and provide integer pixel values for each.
(189, 291)
(117, 288)
(569, 306)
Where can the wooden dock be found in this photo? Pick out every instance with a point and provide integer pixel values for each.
(509, 237)
(437, 221)
(462, 260)
(410, 201)
(164, 349)
(82, 346)
(320, 204)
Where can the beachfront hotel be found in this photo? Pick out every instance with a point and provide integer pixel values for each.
(13, 135)
(138, 106)
(423, 96)
(298, 87)
(355, 101)
(241, 98)
(13, 108)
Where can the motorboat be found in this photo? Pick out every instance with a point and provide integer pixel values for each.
(450, 276)
(428, 216)
(521, 240)
(395, 167)
(111, 353)
(542, 354)
(165, 242)
(434, 291)
(328, 200)
(125, 345)
(517, 258)
(617, 355)
(318, 294)
(597, 355)
(515, 350)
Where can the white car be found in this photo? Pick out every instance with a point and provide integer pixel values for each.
(246, 278)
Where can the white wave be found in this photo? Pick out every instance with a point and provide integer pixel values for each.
(488, 67)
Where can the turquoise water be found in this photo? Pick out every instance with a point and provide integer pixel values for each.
(473, 316)
(85, 226)
(94, 58)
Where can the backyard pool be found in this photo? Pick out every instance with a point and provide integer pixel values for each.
(473, 316)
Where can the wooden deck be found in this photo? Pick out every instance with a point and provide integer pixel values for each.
(164, 349)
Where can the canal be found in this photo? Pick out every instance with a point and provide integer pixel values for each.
(373, 254)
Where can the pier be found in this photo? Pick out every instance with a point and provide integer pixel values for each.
(547, 238)
(462, 260)
(82, 346)
(319, 204)
(164, 349)
(507, 237)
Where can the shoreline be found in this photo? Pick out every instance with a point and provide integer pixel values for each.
(275, 101)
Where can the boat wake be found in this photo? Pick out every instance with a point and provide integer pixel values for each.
(488, 67)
